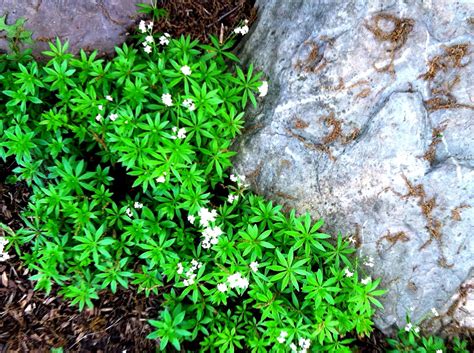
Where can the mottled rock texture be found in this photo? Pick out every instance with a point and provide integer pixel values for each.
(89, 24)
(369, 123)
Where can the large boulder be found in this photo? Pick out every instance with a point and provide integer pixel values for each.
(99, 24)
(369, 124)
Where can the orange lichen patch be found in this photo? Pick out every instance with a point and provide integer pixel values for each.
(336, 131)
(300, 124)
(358, 83)
(351, 137)
(456, 212)
(436, 136)
(313, 62)
(413, 190)
(397, 37)
(312, 146)
(392, 239)
(447, 64)
(364, 93)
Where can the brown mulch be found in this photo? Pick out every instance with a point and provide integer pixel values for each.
(201, 18)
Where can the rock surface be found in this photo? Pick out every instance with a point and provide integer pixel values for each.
(369, 123)
(85, 24)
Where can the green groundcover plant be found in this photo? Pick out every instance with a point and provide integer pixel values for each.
(129, 165)
(409, 339)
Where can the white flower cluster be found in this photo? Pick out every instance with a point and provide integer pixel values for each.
(239, 179)
(366, 280)
(191, 219)
(242, 30)
(369, 262)
(164, 39)
(254, 266)
(186, 70)
(149, 40)
(211, 233)
(237, 281)
(211, 236)
(206, 216)
(231, 198)
(303, 343)
(180, 134)
(263, 89)
(3, 255)
(282, 337)
(161, 178)
(144, 27)
(166, 99)
(136, 205)
(409, 327)
(188, 103)
(348, 273)
(190, 275)
(439, 351)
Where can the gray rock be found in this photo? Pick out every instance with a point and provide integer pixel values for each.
(89, 24)
(358, 130)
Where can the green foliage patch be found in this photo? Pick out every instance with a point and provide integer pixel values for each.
(129, 164)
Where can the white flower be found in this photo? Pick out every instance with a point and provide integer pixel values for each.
(142, 26)
(439, 351)
(98, 117)
(161, 178)
(137, 205)
(211, 236)
(281, 339)
(191, 219)
(195, 264)
(348, 273)
(435, 312)
(149, 39)
(147, 49)
(369, 262)
(4, 256)
(101, 107)
(283, 334)
(293, 347)
(222, 287)
(233, 178)
(109, 98)
(242, 30)
(237, 281)
(263, 89)
(352, 240)
(150, 25)
(164, 40)
(254, 266)
(416, 329)
(304, 343)
(181, 133)
(188, 103)
(231, 198)
(186, 70)
(113, 116)
(129, 212)
(180, 268)
(206, 216)
(167, 100)
(408, 327)
(366, 280)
